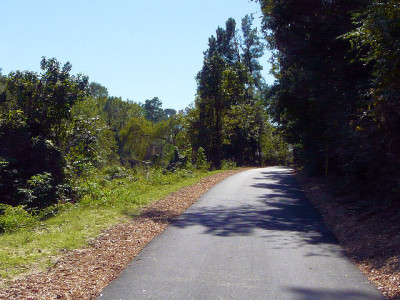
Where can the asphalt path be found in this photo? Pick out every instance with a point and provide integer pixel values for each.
(252, 236)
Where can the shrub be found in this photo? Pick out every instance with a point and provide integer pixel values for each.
(40, 191)
(201, 160)
(115, 172)
(13, 218)
(228, 164)
(178, 161)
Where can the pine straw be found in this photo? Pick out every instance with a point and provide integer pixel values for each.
(82, 274)
(369, 234)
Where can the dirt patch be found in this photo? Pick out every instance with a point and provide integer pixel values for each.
(368, 231)
(82, 274)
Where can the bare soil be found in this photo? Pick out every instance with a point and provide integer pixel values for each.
(82, 274)
(368, 229)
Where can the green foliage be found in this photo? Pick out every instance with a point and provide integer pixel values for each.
(115, 172)
(376, 40)
(97, 90)
(227, 164)
(153, 110)
(34, 115)
(252, 49)
(169, 112)
(136, 137)
(275, 149)
(12, 218)
(40, 190)
(376, 37)
(81, 140)
(201, 159)
(90, 114)
(118, 112)
(336, 98)
(228, 118)
(65, 226)
(22, 157)
(178, 161)
(318, 91)
(46, 99)
(52, 211)
(147, 142)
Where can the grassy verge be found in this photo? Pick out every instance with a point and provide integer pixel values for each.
(109, 201)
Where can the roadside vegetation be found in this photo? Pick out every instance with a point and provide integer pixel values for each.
(40, 240)
(75, 160)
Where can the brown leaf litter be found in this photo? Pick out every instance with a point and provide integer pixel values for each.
(369, 235)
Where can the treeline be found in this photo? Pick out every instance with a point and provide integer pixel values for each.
(229, 119)
(58, 130)
(55, 128)
(336, 98)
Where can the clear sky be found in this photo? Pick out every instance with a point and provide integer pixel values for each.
(136, 49)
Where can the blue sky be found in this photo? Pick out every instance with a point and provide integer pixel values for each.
(137, 49)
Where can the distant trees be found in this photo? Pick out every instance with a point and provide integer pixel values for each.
(97, 90)
(57, 130)
(137, 133)
(229, 118)
(146, 141)
(252, 49)
(154, 112)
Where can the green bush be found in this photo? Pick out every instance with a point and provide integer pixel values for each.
(13, 218)
(115, 172)
(40, 190)
(201, 160)
(178, 161)
(228, 164)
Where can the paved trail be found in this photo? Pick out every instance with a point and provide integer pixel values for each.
(253, 236)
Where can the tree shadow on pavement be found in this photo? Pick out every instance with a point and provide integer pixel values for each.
(317, 294)
(282, 207)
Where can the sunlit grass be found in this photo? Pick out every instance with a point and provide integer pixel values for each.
(111, 202)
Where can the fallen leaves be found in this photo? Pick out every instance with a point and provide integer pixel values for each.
(370, 236)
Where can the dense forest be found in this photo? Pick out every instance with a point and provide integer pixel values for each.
(58, 131)
(337, 90)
